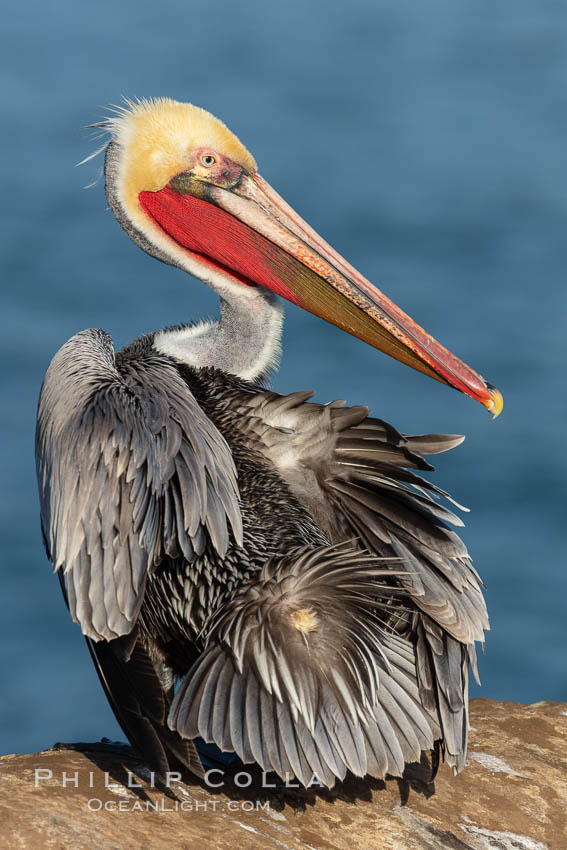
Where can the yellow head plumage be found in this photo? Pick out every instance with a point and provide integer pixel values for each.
(156, 136)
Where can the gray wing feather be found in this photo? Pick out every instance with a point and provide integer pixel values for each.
(357, 477)
(339, 695)
(130, 470)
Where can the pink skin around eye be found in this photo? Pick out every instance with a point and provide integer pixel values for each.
(224, 169)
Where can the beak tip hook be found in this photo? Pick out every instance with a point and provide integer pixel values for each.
(496, 402)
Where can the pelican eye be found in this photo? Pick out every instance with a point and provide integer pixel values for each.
(207, 160)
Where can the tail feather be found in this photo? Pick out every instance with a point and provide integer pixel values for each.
(443, 673)
(140, 705)
(140, 697)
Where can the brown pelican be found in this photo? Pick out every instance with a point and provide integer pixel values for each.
(259, 570)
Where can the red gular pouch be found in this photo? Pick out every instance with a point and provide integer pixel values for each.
(221, 239)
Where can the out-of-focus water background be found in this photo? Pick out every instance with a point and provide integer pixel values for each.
(427, 143)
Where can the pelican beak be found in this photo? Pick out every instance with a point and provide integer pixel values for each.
(246, 228)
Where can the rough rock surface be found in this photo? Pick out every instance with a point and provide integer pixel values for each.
(512, 796)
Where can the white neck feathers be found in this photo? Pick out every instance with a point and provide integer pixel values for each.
(245, 342)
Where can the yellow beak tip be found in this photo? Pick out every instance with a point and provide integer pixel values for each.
(495, 404)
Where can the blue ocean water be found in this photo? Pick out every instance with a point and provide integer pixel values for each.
(427, 143)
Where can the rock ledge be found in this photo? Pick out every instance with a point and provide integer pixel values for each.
(512, 796)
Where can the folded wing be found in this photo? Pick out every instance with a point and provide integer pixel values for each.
(130, 470)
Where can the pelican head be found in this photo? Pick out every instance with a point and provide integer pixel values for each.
(188, 192)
